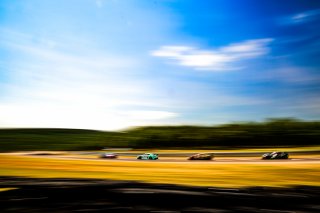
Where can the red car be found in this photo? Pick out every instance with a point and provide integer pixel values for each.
(201, 156)
(109, 155)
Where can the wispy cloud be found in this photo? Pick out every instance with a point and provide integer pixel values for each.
(294, 75)
(302, 17)
(219, 59)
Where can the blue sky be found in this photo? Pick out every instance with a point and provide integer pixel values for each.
(112, 64)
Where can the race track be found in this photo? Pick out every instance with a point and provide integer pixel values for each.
(226, 171)
(252, 157)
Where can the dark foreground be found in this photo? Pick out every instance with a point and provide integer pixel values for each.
(84, 195)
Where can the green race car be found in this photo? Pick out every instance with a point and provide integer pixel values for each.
(148, 156)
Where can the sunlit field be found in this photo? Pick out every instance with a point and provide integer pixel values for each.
(219, 173)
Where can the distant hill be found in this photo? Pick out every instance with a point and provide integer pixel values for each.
(273, 132)
(54, 139)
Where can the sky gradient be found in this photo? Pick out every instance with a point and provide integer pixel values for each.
(112, 64)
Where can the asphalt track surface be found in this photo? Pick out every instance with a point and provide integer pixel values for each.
(240, 157)
(168, 160)
(217, 154)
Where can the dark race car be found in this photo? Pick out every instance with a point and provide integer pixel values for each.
(109, 155)
(201, 156)
(275, 155)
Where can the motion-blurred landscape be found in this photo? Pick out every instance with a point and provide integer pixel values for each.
(159, 106)
(274, 133)
(59, 170)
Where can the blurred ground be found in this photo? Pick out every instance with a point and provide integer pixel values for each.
(92, 195)
(220, 172)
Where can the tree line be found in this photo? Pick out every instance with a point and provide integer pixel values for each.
(270, 133)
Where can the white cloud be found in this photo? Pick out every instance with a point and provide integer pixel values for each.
(248, 49)
(52, 87)
(77, 116)
(171, 51)
(299, 16)
(302, 17)
(204, 60)
(219, 59)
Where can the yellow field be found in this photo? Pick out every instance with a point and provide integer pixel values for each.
(222, 174)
